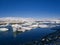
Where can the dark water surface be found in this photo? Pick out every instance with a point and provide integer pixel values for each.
(7, 38)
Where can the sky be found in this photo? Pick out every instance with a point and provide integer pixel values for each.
(30, 8)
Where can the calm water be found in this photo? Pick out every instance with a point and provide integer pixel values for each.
(7, 38)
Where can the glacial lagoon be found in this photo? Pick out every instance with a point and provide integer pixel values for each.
(32, 36)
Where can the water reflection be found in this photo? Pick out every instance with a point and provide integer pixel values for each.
(32, 37)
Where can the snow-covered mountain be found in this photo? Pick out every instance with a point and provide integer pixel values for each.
(20, 19)
(16, 19)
